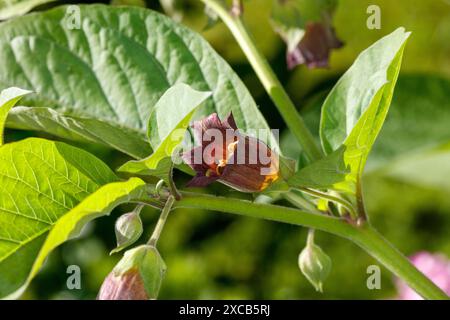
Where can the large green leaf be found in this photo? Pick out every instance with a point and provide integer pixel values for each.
(418, 119)
(355, 109)
(129, 141)
(359, 101)
(167, 127)
(40, 181)
(8, 98)
(97, 204)
(12, 8)
(113, 69)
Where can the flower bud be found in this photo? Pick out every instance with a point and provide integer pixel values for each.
(315, 265)
(137, 276)
(128, 230)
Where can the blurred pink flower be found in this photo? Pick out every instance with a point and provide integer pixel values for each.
(434, 266)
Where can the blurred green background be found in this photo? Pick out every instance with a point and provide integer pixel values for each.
(218, 256)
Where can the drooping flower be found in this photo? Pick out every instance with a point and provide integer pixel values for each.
(434, 266)
(315, 47)
(239, 161)
(128, 286)
(137, 276)
(306, 27)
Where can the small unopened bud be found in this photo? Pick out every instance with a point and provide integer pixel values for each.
(137, 276)
(128, 230)
(315, 265)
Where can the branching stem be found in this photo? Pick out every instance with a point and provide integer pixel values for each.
(332, 198)
(364, 236)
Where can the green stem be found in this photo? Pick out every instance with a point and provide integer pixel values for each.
(381, 249)
(139, 208)
(300, 202)
(162, 221)
(172, 186)
(310, 237)
(364, 236)
(332, 198)
(269, 80)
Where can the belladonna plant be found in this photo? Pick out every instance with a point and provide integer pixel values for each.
(153, 81)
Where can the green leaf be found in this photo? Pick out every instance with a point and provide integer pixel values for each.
(8, 98)
(129, 141)
(153, 270)
(40, 181)
(418, 119)
(428, 169)
(360, 90)
(355, 109)
(167, 128)
(137, 276)
(97, 204)
(175, 107)
(13, 8)
(112, 69)
(327, 173)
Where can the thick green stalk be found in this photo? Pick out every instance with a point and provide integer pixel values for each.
(365, 237)
(269, 80)
(381, 249)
